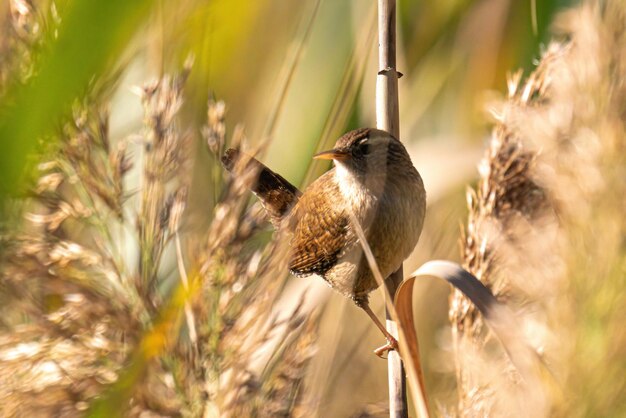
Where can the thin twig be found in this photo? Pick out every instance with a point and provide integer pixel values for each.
(387, 118)
(189, 317)
(415, 379)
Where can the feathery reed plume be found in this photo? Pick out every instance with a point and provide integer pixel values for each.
(549, 173)
(61, 279)
(506, 213)
(238, 369)
(283, 394)
(86, 309)
(82, 318)
(163, 188)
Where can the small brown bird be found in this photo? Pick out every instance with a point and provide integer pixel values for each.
(373, 180)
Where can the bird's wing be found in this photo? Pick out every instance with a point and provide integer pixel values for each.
(320, 229)
(276, 194)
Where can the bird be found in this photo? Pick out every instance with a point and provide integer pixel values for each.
(373, 182)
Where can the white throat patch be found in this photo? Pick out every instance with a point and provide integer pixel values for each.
(362, 197)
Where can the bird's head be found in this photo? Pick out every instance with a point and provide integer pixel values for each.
(365, 152)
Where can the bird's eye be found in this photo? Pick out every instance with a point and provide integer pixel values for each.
(365, 149)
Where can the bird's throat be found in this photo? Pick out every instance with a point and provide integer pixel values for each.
(362, 194)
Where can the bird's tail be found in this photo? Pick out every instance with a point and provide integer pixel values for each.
(276, 194)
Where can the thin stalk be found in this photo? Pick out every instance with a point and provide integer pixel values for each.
(388, 119)
(406, 336)
(189, 316)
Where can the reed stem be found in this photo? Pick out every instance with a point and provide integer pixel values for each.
(387, 118)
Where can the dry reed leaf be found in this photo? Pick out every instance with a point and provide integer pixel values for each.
(413, 366)
(500, 319)
(498, 316)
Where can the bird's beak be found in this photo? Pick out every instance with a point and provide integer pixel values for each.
(333, 154)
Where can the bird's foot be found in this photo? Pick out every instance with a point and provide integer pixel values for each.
(392, 344)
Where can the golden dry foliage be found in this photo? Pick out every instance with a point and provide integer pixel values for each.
(546, 229)
(96, 321)
(112, 304)
(247, 362)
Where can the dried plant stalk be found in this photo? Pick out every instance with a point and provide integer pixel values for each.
(388, 119)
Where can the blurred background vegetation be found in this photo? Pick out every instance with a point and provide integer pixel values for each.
(451, 53)
(295, 75)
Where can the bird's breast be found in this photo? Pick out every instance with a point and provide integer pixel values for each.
(391, 215)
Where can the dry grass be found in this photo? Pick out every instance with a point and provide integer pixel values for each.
(92, 297)
(544, 226)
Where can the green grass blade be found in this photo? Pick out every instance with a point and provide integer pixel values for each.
(91, 35)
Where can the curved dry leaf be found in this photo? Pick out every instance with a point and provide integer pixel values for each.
(406, 331)
(404, 307)
(498, 316)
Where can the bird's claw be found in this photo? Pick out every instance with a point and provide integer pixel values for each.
(392, 344)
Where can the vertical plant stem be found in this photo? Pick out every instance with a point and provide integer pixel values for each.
(387, 118)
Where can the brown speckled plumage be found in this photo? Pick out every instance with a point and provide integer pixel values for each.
(390, 209)
(320, 230)
(276, 194)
